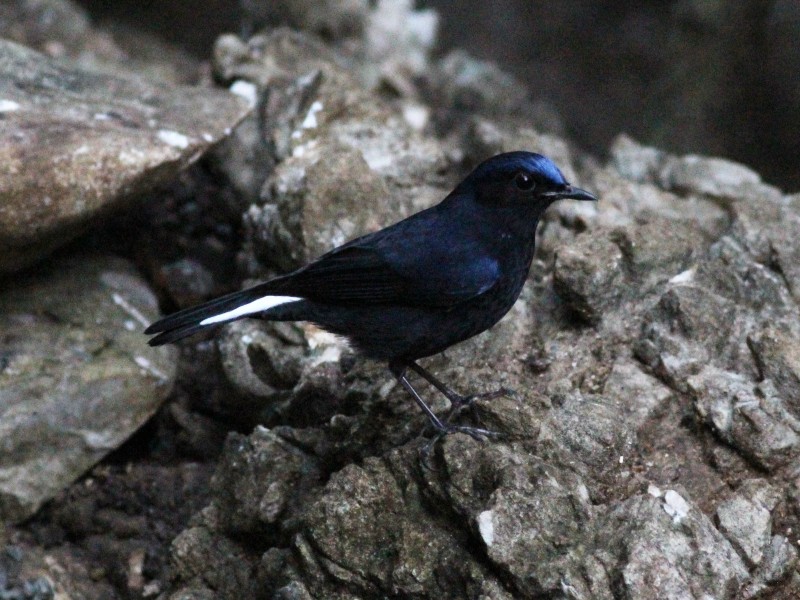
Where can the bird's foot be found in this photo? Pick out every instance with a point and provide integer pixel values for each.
(476, 433)
(459, 403)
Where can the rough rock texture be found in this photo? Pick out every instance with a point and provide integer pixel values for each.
(652, 354)
(650, 429)
(349, 164)
(20, 575)
(78, 143)
(75, 379)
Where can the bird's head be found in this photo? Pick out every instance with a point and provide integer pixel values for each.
(521, 178)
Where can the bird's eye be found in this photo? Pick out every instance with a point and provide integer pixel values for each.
(524, 182)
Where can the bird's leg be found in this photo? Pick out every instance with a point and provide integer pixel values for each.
(454, 397)
(441, 428)
(437, 424)
(457, 400)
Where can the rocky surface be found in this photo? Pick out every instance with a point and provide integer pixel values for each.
(651, 355)
(78, 144)
(75, 380)
(650, 435)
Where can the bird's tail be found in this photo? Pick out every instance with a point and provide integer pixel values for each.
(226, 308)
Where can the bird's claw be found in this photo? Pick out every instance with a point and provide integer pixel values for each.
(461, 402)
(476, 433)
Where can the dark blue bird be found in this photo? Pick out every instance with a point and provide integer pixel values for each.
(416, 287)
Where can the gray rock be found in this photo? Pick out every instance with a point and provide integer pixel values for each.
(665, 538)
(778, 565)
(636, 162)
(337, 534)
(750, 416)
(318, 116)
(587, 432)
(542, 513)
(315, 202)
(109, 138)
(397, 42)
(712, 176)
(746, 520)
(777, 353)
(52, 26)
(627, 381)
(259, 364)
(262, 481)
(217, 567)
(672, 277)
(467, 84)
(588, 275)
(30, 574)
(689, 327)
(63, 29)
(188, 282)
(75, 378)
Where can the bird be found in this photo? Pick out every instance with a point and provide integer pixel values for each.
(417, 287)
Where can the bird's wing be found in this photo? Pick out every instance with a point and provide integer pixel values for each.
(380, 271)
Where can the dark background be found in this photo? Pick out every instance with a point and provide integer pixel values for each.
(718, 77)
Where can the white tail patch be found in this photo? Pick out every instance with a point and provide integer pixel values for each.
(250, 308)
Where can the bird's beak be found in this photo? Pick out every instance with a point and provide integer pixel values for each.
(572, 193)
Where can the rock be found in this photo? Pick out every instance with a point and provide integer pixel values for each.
(461, 90)
(110, 138)
(397, 42)
(55, 27)
(386, 43)
(643, 326)
(712, 176)
(588, 275)
(636, 162)
(316, 202)
(317, 111)
(25, 574)
(469, 85)
(75, 378)
(666, 539)
(588, 432)
(262, 481)
(777, 354)
(746, 521)
(691, 313)
(626, 381)
(752, 417)
(188, 281)
(508, 517)
(197, 556)
(259, 364)
(63, 29)
(778, 565)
